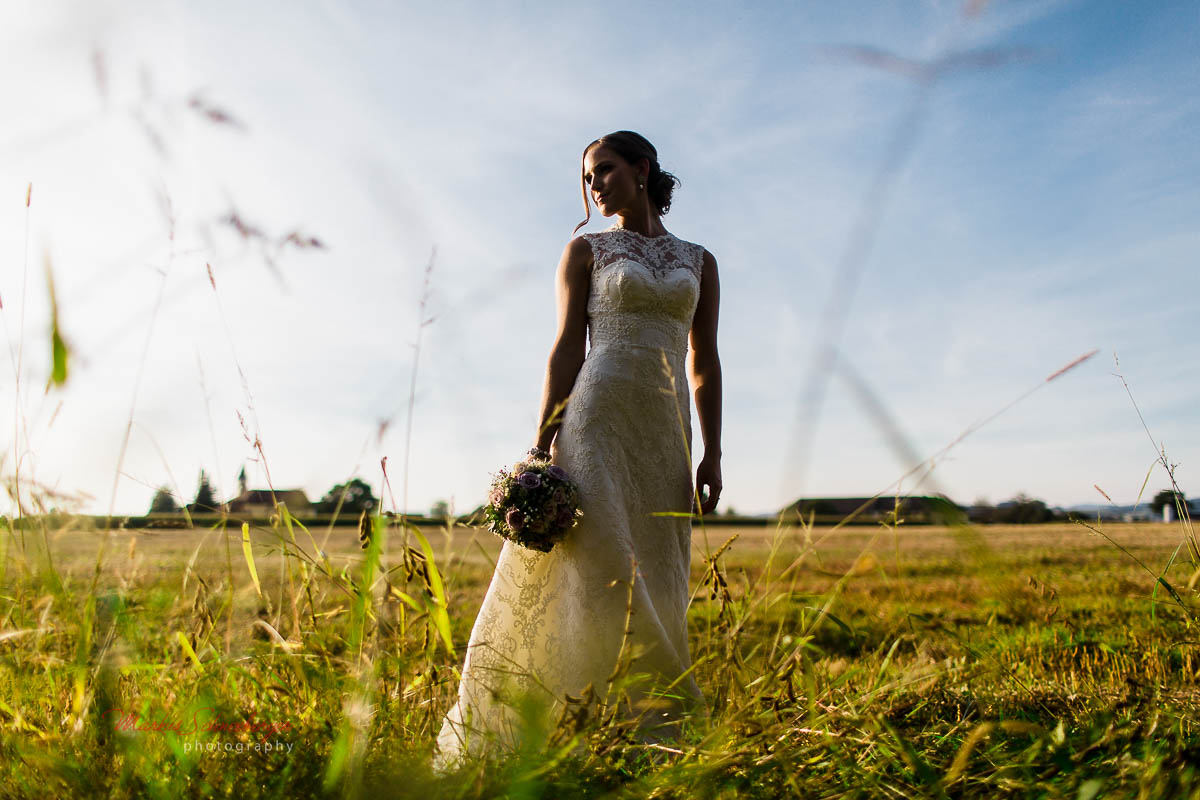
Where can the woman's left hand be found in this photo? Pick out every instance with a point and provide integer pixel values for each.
(708, 484)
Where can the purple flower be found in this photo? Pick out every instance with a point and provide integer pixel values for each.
(557, 472)
(530, 480)
(515, 519)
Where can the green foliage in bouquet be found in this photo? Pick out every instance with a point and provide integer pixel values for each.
(533, 504)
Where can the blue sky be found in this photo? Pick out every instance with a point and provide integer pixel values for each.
(1042, 208)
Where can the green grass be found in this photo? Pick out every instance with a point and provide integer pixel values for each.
(1033, 661)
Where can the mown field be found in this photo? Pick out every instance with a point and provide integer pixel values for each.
(1024, 661)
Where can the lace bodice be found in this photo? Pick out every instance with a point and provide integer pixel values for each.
(644, 289)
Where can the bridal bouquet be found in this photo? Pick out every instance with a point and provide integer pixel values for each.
(533, 504)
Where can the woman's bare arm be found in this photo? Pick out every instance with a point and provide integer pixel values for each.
(705, 367)
(572, 284)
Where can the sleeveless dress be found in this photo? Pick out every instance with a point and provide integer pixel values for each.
(554, 623)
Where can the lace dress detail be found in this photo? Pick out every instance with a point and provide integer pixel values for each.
(553, 624)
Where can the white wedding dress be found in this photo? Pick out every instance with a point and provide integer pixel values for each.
(554, 623)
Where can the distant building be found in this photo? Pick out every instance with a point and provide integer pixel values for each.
(261, 503)
(1192, 507)
(1141, 513)
(874, 509)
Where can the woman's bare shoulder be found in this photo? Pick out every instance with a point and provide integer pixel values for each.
(581, 245)
(577, 258)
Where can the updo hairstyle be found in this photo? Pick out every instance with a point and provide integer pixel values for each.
(632, 147)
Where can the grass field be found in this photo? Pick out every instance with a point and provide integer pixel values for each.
(1023, 661)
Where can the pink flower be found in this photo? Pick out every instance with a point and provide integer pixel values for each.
(515, 519)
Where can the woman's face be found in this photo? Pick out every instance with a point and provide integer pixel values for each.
(612, 181)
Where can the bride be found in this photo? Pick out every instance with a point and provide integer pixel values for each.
(602, 617)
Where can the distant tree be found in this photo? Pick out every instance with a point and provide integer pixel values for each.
(982, 514)
(163, 502)
(439, 510)
(981, 511)
(1023, 510)
(206, 499)
(354, 496)
(1167, 497)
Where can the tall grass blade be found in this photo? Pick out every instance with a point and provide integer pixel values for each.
(437, 612)
(188, 651)
(249, 553)
(58, 347)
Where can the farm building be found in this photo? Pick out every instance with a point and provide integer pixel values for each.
(261, 503)
(871, 509)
